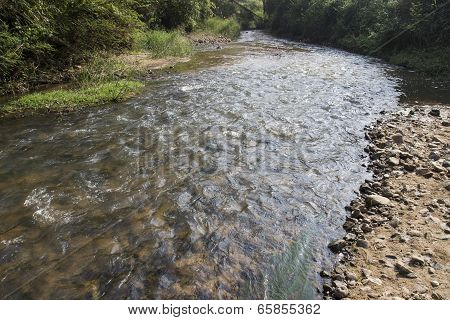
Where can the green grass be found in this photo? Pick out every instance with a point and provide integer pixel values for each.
(163, 43)
(221, 27)
(71, 99)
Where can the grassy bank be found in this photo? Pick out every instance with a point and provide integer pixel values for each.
(83, 46)
(104, 78)
(110, 77)
(64, 100)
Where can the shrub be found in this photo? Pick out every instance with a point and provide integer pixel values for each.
(225, 27)
(41, 35)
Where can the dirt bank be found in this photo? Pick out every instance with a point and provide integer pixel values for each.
(397, 241)
(144, 63)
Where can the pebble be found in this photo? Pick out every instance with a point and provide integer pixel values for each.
(437, 296)
(404, 270)
(415, 233)
(325, 274)
(339, 284)
(395, 222)
(362, 243)
(366, 272)
(378, 200)
(340, 293)
(434, 156)
(417, 261)
(435, 113)
(397, 138)
(435, 284)
(350, 237)
(350, 276)
(327, 288)
(338, 277)
(394, 161)
(374, 280)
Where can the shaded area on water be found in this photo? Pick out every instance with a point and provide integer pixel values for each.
(195, 188)
(419, 89)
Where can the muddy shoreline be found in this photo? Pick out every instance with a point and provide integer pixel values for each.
(397, 229)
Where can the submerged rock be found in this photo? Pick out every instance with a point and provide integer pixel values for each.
(337, 245)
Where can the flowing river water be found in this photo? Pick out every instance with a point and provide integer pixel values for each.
(226, 178)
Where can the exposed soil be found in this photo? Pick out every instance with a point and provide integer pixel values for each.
(397, 241)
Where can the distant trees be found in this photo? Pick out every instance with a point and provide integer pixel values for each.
(249, 13)
(173, 13)
(364, 25)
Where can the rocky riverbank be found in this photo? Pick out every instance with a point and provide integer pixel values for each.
(398, 229)
(208, 42)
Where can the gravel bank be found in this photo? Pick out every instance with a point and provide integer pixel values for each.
(398, 229)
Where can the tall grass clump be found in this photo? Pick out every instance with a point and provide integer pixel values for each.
(163, 43)
(104, 68)
(222, 27)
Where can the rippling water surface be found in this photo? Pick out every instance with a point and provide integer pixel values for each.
(224, 179)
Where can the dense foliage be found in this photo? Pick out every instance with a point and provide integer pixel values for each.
(38, 37)
(393, 28)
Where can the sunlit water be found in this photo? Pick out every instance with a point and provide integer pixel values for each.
(224, 179)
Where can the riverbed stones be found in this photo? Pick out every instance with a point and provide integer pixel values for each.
(327, 288)
(350, 237)
(407, 157)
